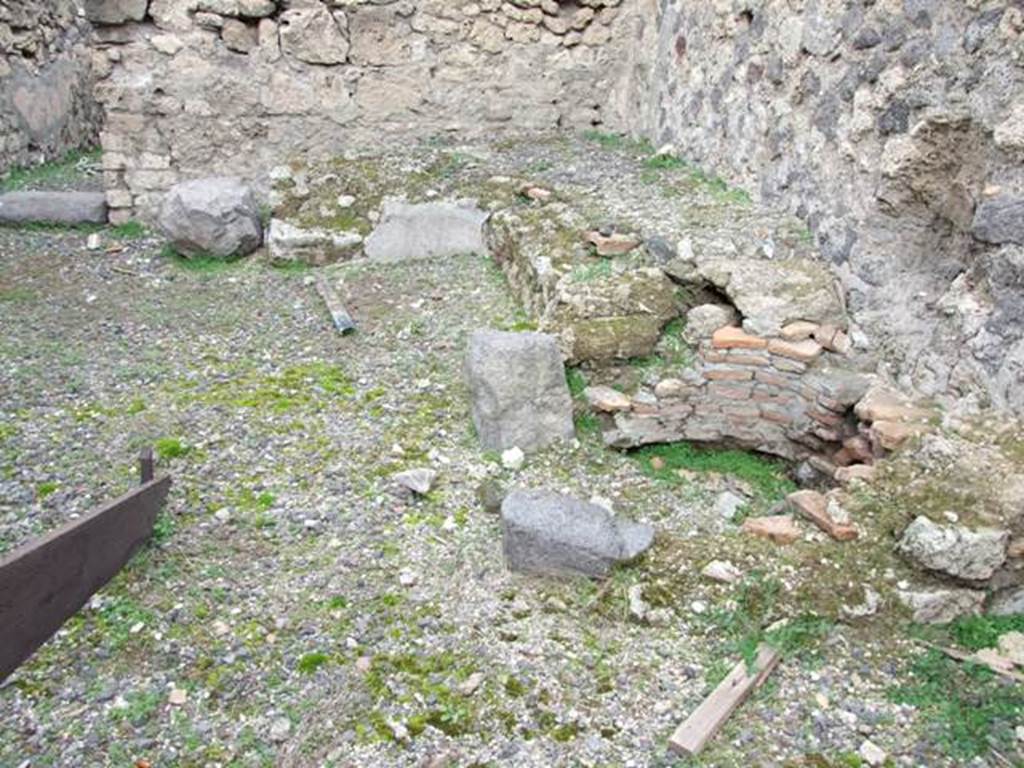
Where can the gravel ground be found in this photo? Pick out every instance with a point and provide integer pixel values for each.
(294, 609)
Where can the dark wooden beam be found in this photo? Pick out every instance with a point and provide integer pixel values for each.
(44, 582)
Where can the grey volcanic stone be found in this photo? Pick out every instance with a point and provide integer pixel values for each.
(550, 533)
(424, 230)
(215, 216)
(115, 11)
(1007, 602)
(518, 390)
(54, 207)
(955, 550)
(941, 606)
(1000, 221)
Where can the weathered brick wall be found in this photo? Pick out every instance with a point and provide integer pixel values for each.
(895, 128)
(46, 101)
(788, 395)
(194, 88)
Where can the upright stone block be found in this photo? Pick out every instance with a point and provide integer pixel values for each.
(518, 390)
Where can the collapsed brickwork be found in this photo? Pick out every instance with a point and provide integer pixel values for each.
(46, 104)
(240, 86)
(895, 129)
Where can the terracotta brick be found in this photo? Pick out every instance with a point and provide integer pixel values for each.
(777, 528)
(814, 506)
(861, 472)
(714, 356)
(777, 415)
(798, 331)
(890, 435)
(730, 391)
(828, 435)
(736, 338)
(787, 365)
(822, 416)
(804, 351)
(833, 339)
(744, 358)
(728, 374)
(773, 379)
(833, 405)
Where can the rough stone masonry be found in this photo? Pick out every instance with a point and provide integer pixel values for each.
(46, 103)
(237, 87)
(895, 128)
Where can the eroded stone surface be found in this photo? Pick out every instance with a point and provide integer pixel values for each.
(288, 243)
(954, 550)
(216, 216)
(518, 390)
(53, 207)
(550, 533)
(426, 230)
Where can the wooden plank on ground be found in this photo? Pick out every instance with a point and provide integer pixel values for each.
(44, 582)
(342, 319)
(705, 721)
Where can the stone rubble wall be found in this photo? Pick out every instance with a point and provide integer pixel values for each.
(201, 87)
(895, 128)
(46, 103)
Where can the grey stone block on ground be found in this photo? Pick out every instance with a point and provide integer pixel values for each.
(518, 390)
(550, 533)
(423, 230)
(215, 216)
(53, 207)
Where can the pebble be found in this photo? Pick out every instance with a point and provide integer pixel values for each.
(871, 753)
(513, 458)
(177, 697)
(280, 729)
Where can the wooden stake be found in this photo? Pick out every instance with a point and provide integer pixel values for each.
(705, 721)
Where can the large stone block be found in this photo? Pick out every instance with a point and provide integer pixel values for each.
(314, 35)
(550, 533)
(215, 216)
(54, 207)
(425, 230)
(518, 390)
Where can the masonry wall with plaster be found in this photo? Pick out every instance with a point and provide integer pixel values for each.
(200, 87)
(46, 104)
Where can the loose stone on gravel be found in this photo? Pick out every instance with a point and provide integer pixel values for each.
(217, 217)
(551, 533)
(518, 390)
(418, 481)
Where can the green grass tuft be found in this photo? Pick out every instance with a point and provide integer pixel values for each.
(205, 264)
(977, 632)
(171, 448)
(767, 477)
(577, 382)
(45, 489)
(72, 167)
(311, 662)
(130, 230)
(969, 709)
